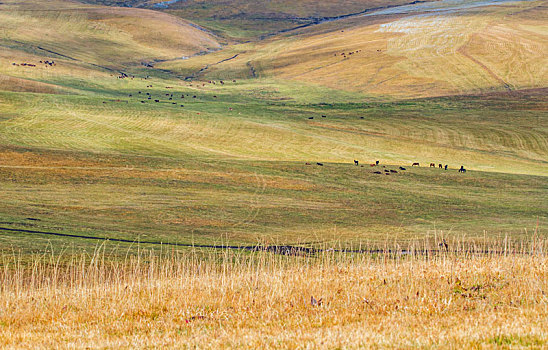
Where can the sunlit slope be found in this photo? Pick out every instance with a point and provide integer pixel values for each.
(444, 52)
(268, 120)
(86, 41)
(248, 20)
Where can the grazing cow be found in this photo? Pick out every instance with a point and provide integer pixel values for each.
(324, 116)
(142, 101)
(307, 164)
(182, 105)
(393, 171)
(377, 172)
(376, 162)
(386, 170)
(462, 170)
(417, 164)
(445, 167)
(156, 100)
(320, 164)
(356, 163)
(443, 245)
(310, 117)
(440, 166)
(432, 165)
(194, 96)
(402, 168)
(362, 117)
(372, 165)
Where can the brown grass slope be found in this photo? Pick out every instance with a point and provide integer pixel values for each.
(484, 49)
(87, 40)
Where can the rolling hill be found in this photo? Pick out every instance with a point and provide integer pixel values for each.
(130, 133)
(446, 48)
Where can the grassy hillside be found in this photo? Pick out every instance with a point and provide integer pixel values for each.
(243, 20)
(84, 152)
(86, 42)
(233, 166)
(406, 54)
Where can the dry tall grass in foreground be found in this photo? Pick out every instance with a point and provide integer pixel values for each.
(262, 300)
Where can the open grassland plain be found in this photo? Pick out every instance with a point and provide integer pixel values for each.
(228, 299)
(233, 167)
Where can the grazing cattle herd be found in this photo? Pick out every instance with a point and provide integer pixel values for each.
(392, 171)
(170, 97)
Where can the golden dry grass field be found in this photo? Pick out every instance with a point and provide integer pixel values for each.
(233, 300)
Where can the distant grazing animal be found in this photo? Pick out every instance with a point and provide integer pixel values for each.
(377, 162)
(440, 166)
(386, 170)
(307, 164)
(320, 164)
(417, 164)
(462, 170)
(402, 168)
(377, 172)
(444, 245)
(372, 165)
(432, 165)
(393, 171)
(156, 100)
(445, 166)
(324, 116)
(356, 163)
(310, 117)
